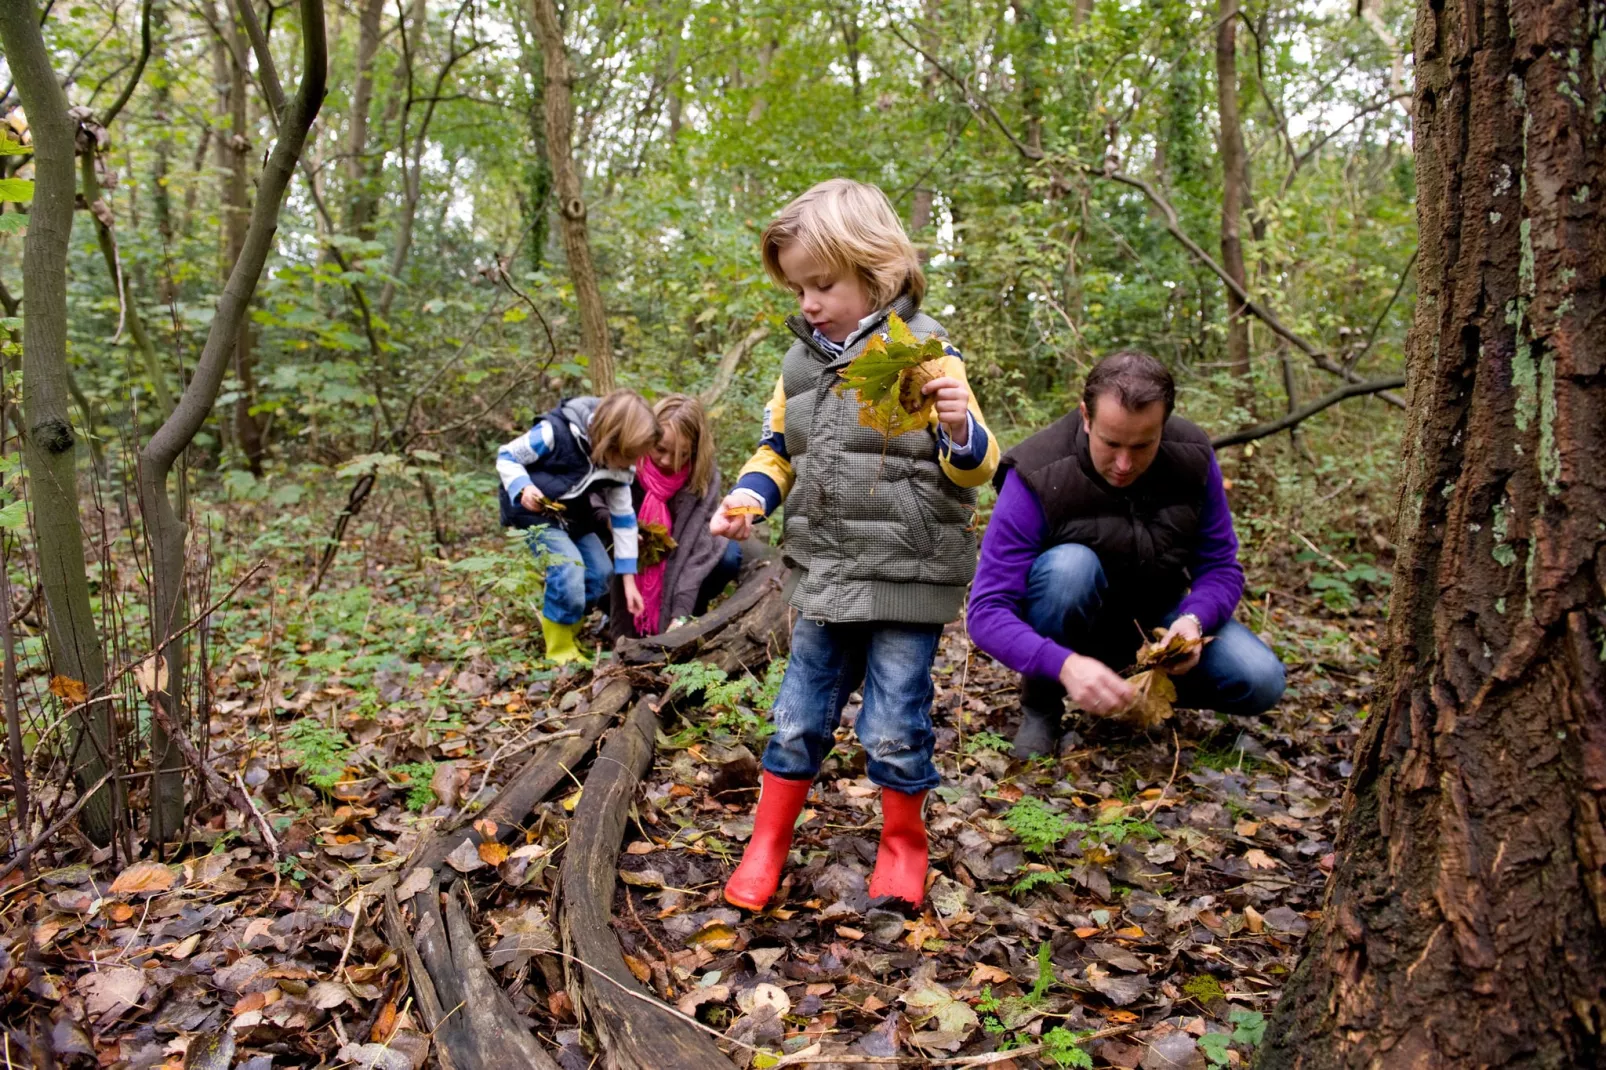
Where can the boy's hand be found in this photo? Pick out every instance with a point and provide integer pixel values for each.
(633, 600)
(953, 407)
(729, 521)
(531, 498)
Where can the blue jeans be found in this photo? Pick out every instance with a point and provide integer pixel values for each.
(828, 663)
(577, 574)
(1237, 673)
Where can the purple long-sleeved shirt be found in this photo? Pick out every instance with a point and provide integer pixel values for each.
(1017, 535)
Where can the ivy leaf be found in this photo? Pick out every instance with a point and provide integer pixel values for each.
(16, 190)
(655, 544)
(888, 377)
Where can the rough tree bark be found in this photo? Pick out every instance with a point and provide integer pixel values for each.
(1232, 184)
(49, 447)
(594, 341)
(166, 531)
(234, 155)
(362, 194)
(1465, 923)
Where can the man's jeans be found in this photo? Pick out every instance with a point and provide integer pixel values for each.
(577, 574)
(1237, 673)
(828, 663)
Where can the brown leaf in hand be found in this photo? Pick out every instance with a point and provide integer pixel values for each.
(1154, 694)
(1168, 655)
(655, 544)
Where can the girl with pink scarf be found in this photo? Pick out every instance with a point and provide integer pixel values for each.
(677, 490)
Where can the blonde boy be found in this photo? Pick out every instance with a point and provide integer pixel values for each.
(877, 531)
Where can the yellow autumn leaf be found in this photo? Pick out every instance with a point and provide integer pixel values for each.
(68, 689)
(493, 853)
(888, 378)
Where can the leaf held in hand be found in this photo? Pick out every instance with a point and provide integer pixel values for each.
(1168, 654)
(1154, 694)
(754, 511)
(655, 545)
(889, 376)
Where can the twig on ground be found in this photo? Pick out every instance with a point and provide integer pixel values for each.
(55, 827)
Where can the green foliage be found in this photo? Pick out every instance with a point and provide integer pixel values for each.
(1248, 1030)
(1063, 1047)
(1045, 973)
(1037, 878)
(732, 701)
(415, 777)
(980, 741)
(320, 752)
(1038, 828)
(1041, 829)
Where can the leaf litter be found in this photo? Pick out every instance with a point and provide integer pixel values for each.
(1156, 914)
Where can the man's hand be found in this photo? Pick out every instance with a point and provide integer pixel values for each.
(731, 525)
(953, 407)
(1094, 687)
(531, 498)
(1186, 626)
(633, 600)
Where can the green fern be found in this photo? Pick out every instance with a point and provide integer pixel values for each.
(320, 752)
(1038, 828)
(416, 777)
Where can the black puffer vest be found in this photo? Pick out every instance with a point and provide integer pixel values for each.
(565, 474)
(1144, 534)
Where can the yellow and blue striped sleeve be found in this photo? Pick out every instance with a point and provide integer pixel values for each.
(769, 475)
(974, 463)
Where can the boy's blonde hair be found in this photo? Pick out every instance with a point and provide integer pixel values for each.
(849, 226)
(686, 415)
(623, 428)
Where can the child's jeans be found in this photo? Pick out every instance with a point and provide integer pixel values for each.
(577, 574)
(828, 663)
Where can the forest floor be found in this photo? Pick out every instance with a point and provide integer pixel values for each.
(1138, 901)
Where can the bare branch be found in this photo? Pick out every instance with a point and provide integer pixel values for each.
(1349, 390)
(139, 66)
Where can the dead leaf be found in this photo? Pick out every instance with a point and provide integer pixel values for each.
(1259, 859)
(68, 689)
(640, 969)
(384, 1025)
(374, 1057)
(151, 674)
(465, 857)
(143, 878)
(493, 853)
(111, 991)
(1168, 654)
(655, 544)
(1119, 990)
(935, 1002)
(210, 1051)
(416, 880)
(715, 936)
(1153, 695)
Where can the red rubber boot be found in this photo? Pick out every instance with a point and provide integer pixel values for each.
(900, 864)
(759, 874)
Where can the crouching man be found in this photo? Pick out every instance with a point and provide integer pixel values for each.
(1113, 515)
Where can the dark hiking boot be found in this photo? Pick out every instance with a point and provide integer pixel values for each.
(1038, 733)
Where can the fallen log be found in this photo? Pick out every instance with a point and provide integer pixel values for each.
(472, 1019)
(538, 776)
(638, 1033)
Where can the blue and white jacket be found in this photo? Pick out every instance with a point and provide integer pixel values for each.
(555, 457)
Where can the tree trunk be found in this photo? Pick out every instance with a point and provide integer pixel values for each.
(236, 214)
(49, 446)
(571, 204)
(1232, 184)
(166, 531)
(539, 170)
(1465, 923)
(362, 195)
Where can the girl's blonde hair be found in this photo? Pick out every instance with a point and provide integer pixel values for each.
(623, 428)
(848, 226)
(685, 414)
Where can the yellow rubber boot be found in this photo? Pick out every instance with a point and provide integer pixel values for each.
(560, 645)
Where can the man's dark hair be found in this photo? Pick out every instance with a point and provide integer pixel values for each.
(1134, 377)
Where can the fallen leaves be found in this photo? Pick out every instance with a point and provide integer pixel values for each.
(888, 377)
(654, 545)
(109, 992)
(143, 878)
(69, 690)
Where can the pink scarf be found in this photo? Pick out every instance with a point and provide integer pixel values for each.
(654, 509)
